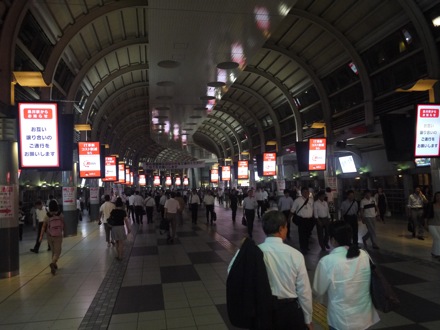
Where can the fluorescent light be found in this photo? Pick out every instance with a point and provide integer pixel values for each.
(82, 127)
(436, 21)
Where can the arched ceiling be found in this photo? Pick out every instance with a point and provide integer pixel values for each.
(147, 75)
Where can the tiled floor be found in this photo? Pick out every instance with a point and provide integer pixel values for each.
(182, 286)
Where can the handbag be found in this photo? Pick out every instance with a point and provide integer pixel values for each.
(382, 294)
(243, 221)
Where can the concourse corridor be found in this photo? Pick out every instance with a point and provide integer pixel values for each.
(182, 285)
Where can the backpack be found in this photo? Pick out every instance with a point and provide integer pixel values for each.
(55, 226)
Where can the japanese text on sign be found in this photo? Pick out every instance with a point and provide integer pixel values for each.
(427, 130)
(317, 154)
(6, 201)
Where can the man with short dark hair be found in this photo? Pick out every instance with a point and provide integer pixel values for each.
(288, 278)
(104, 213)
(138, 205)
(303, 210)
(285, 204)
(349, 213)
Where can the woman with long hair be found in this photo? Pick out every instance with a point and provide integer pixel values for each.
(434, 225)
(118, 218)
(344, 275)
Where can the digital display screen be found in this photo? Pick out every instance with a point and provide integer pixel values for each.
(427, 131)
(38, 135)
(347, 164)
(214, 176)
(142, 180)
(421, 162)
(317, 154)
(89, 156)
(110, 169)
(242, 169)
(226, 173)
(269, 163)
(178, 181)
(156, 180)
(185, 181)
(127, 175)
(121, 172)
(168, 181)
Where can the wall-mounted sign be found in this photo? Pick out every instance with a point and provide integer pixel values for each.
(427, 131)
(156, 180)
(38, 135)
(269, 164)
(214, 175)
(111, 169)
(121, 172)
(142, 180)
(243, 167)
(89, 157)
(226, 173)
(178, 181)
(317, 154)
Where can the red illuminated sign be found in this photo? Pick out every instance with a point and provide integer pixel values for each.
(185, 181)
(317, 154)
(127, 175)
(156, 180)
(111, 169)
(269, 164)
(142, 180)
(89, 156)
(178, 181)
(243, 166)
(214, 176)
(226, 173)
(38, 135)
(121, 171)
(427, 131)
(168, 181)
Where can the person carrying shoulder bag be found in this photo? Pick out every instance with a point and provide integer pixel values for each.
(349, 211)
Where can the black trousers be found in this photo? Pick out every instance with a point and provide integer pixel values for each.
(209, 211)
(194, 212)
(305, 227)
(138, 211)
(352, 220)
(287, 215)
(322, 229)
(149, 210)
(234, 212)
(287, 314)
(250, 217)
(37, 243)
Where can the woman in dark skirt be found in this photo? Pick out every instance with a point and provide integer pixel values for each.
(118, 220)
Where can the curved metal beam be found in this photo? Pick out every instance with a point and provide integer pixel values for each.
(252, 115)
(72, 30)
(108, 80)
(221, 130)
(287, 95)
(207, 137)
(216, 140)
(268, 107)
(234, 133)
(424, 32)
(350, 49)
(325, 102)
(92, 61)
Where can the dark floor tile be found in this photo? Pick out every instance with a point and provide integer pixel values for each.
(144, 251)
(416, 308)
(164, 241)
(173, 274)
(136, 299)
(186, 234)
(151, 231)
(223, 310)
(216, 246)
(204, 257)
(382, 258)
(396, 277)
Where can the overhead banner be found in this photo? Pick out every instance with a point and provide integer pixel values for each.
(173, 165)
(142, 180)
(427, 131)
(178, 181)
(269, 164)
(185, 181)
(226, 173)
(121, 172)
(111, 169)
(168, 181)
(38, 135)
(317, 154)
(214, 176)
(156, 180)
(89, 156)
(243, 168)
(127, 176)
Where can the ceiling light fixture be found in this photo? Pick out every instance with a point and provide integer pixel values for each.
(436, 21)
(165, 83)
(82, 127)
(200, 108)
(216, 84)
(227, 65)
(207, 98)
(168, 64)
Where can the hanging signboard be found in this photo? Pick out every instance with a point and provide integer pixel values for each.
(111, 169)
(185, 181)
(89, 159)
(121, 172)
(156, 180)
(269, 164)
(142, 180)
(243, 167)
(427, 131)
(226, 173)
(178, 181)
(317, 154)
(214, 175)
(38, 135)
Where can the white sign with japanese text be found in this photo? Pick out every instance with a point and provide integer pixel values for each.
(317, 154)
(94, 194)
(69, 196)
(6, 202)
(89, 159)
(427, 131)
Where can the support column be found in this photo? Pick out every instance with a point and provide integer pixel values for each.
(70, 212)
(9, 256)
(94, 200)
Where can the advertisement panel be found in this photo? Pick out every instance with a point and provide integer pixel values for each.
(89, 156)
(317, 154)
(185, 181)
(226, 173)
(178, 181)
(38, 135)
(142, 180)
(68, 195)
(243, 167)
(156, 180)
(127, 176)
(427, 131)
(269, 164)
(214, 175)
(110, 169)
(121, 172)
(168, 181)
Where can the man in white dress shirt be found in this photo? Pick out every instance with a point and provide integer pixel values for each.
(322, 219)
(303, 209)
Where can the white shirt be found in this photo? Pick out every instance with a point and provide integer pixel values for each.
(285, 203)
(194, 199)
(150, 202)
(41, 214)
(415, 201)
(209, 200)
(260, 196)
(320, 209)
(163, 199)
(137, 200)
(306, 211)
(287, 273)
(105, 209)
(369, 207)
(172, 206)
(347, 283)
(131, 200)
(250, 203)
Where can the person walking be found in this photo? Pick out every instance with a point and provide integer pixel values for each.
(138, 206)
(369, 214)
(302, 211)
(285, 204)
(233, 203)
(104, 213)
(53, 226)
(149, 203)
(209, 200)
(179, 214)
(40, 213)
(344, 276)
(322, 218)
(171, 209)
(349, 214)
(119, 222)
(249, 208)
(382, 203)
(416, 203)
(434, 225)
(194, 202)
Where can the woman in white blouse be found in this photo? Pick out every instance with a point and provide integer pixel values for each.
(344, 275)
